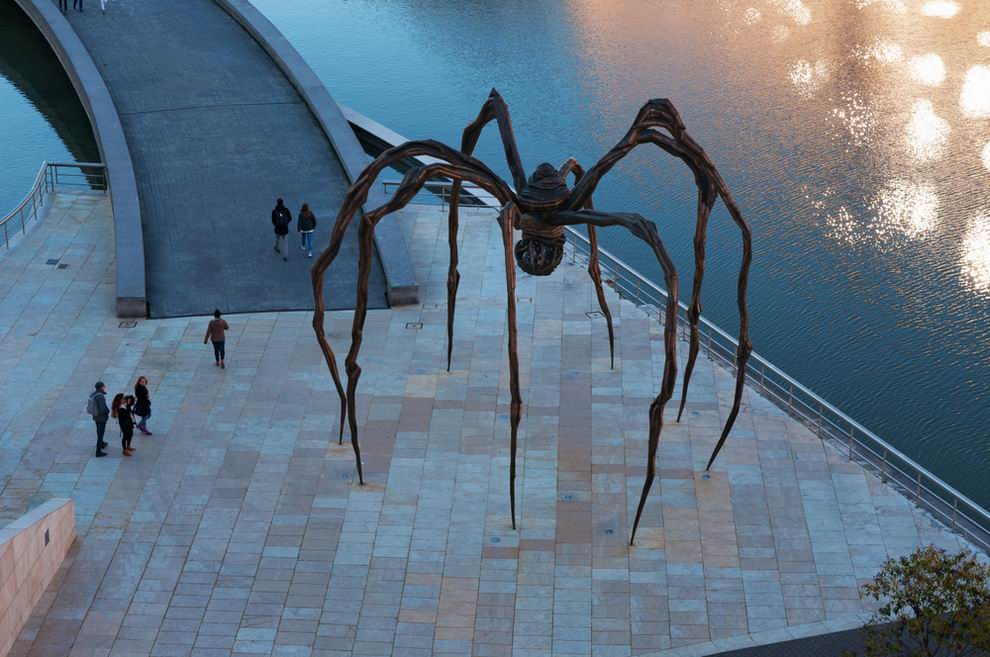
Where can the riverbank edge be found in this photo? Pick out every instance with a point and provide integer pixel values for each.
(131, 295)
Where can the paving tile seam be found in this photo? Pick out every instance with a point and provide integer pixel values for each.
(191, 108)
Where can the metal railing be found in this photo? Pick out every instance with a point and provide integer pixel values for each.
(859, 444)
(51, 175)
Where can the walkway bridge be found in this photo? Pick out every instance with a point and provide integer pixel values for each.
(219, 116)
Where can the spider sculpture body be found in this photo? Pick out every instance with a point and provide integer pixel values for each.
(541, 207)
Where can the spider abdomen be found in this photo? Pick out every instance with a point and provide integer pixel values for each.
(541, 248)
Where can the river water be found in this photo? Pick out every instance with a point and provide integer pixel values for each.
(40, 116)
(854, 134)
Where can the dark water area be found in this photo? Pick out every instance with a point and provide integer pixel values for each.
(853, 133)
(41, 117)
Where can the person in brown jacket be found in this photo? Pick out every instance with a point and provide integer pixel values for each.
(215, 332)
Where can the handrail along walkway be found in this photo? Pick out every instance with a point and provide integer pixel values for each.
(50, 175)
(928, 491)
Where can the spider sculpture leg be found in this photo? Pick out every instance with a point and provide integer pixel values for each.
(507, 219)
(645, 230)
(706, 197)
(593, 269)
(494, 108)
(355, 198)
(407, 190)
(661, 113)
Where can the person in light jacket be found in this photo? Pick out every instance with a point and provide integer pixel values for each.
(215, 332)
(306, 226)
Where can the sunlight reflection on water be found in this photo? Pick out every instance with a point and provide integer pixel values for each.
(975, 97)
(940, 8)
(928, 69)
(926, 132)
(976, 254)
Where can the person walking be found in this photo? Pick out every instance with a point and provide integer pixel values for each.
(306, 226)
(281, 218)
(215, 332)
(103, 6)
(121, 409)
(97, 408)
(63, 6)
(142, 404)
(77, 3)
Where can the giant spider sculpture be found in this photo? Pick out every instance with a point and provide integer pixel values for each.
(541, 206)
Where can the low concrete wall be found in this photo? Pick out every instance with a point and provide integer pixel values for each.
(109, 135)
(389, 138)
(32, 549)
(399, 274)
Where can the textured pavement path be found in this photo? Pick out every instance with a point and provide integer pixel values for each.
(217, 133)
(237, 528)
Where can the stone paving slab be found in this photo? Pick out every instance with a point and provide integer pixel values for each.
(238, 528)
(217, 133)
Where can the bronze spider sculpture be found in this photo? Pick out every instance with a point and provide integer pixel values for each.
(541, 206)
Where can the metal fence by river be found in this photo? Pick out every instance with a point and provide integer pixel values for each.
(858, 443)
(50, 176)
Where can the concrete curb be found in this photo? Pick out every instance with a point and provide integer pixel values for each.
(103, 117)
(389, 138)
(400, 277)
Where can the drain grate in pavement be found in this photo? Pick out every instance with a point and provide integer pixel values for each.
(63, 266)
(128, 323)
(414, 325)
(594, 314)
(51, 261)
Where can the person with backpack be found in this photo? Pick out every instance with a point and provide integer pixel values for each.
(121, 409)
(215, 332)
(142, 404)
(97, 408)
(281, 218)
(306, 226)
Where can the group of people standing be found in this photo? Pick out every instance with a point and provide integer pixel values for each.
(281, 218)
(124, 408)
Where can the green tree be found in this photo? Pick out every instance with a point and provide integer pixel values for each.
(932, 603)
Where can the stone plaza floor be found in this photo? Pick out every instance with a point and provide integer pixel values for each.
(238, 528)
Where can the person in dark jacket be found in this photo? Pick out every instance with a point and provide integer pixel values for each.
(142, 404)
(97, 407)
(306, 226)
(281, 218)
(121, 409)
(77, 3)
(63, 6)
(215, 332)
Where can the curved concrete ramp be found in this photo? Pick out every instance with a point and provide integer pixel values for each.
(216, 133)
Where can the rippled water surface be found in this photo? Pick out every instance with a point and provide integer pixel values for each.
(40, 116)
(855, 135)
